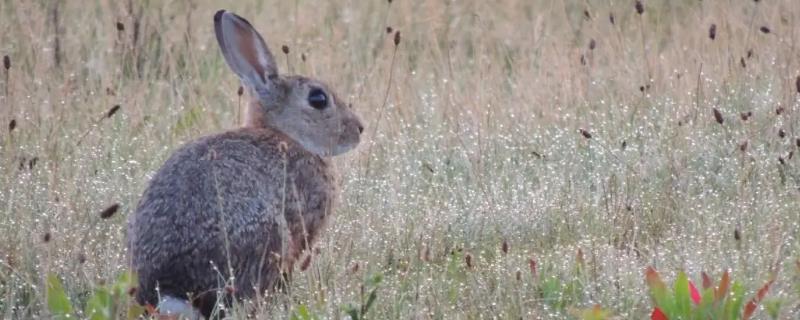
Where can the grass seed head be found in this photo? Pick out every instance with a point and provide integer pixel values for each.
(639, 7)
(797, 84)
(797, 142)
(592, 44)
(743, 146)
(781, 133)
(712, 31)
(718, 116)
(46, 237)
(468, 260)
(6, 62)
(585, 134)
(285, 49)
(112, 111)
(765, 30)
(240, 91)
(742, 63)
(120, 26)
(12, 125)
(504, 247)
(389, 30)
(746, 115)
(611, 19)
(397, 38)
(587, 15)
(306, 263)
(736, 234)
(110, 211)
(779, 110)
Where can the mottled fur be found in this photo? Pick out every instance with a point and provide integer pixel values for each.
(243, 203)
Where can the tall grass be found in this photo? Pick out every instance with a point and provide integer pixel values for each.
(658, 146)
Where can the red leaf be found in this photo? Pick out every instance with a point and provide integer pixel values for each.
(694, 293)
(723, 287)
(653, 279)
(658, 315)
(748, 310)
(707, 283)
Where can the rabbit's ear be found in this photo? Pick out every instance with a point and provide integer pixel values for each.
(244, 50)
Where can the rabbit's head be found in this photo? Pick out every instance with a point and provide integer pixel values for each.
(304, 109)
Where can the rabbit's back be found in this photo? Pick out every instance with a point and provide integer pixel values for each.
(231, 201)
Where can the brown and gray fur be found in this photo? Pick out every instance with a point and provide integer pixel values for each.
(247, 202)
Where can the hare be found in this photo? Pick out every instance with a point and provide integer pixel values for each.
(239, 207)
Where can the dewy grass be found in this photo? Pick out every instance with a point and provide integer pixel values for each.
(494, 158)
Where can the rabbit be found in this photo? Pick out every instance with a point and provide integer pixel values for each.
(241, 206)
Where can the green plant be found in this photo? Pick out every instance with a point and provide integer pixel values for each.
(684, 301)
(105, 302)
(369, 292)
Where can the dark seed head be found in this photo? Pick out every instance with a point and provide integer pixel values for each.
(12, 125)
(504, 247)
(712, 31)
(639, 7)
(797, 142)
(797, 84)
(120, 26)
(718, 116)
(737, 235)
(396, 38)
(285, 49)
(46, 237)
(749, 53)
(624, 144)
(468, 260)
(742, 63)
(110, 211)
(6, 62)
(306, 263)
(32, 163)
(303, 57)
(611, 18)
(781, 133)
(132, 291)
(112, 111)
(389, 30)
(586, 15)
(592, 44)
(765, 29)
(585, 134)
(779, 110)
(745, 115)
(780, 159)
(81, 258)
(240, 91)
(743, 146)
(583, 60)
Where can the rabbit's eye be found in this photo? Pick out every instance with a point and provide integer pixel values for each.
(317, 99)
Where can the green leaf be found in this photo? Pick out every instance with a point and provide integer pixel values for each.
(683, 300)
(135, 311)
(57, 300)
(98, 307)
(301, 313)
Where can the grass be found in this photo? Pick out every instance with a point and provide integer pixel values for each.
(500, 125)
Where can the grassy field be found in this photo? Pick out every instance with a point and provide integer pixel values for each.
(522, 159)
